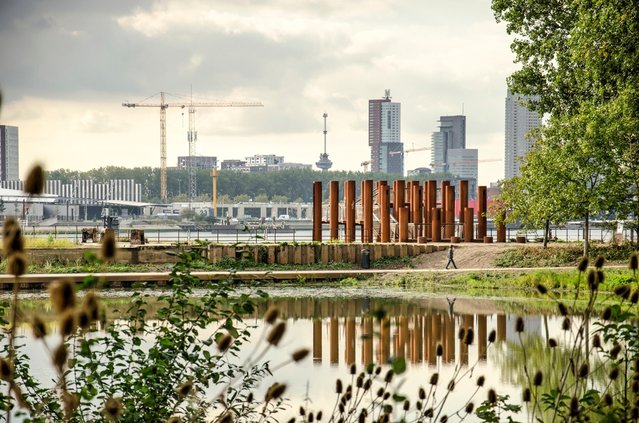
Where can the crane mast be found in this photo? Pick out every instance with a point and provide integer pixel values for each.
(191, 136)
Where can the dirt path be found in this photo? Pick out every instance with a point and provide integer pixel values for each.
(466, 256)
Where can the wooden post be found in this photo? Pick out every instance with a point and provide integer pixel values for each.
(383, 196)
(469, 215)
(317, 211)
(334, 210)
(436, 226)
(403, 224)
(449, 229)
(482, 201)
(349, 211)
(463, 199)
(367, 203)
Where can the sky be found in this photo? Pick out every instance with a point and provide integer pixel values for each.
(67, 67)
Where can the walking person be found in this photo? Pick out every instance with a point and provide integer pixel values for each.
(450, 258)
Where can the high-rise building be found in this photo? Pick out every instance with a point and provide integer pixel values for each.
(384, 135)
(451, 135)
(519, 121)
(463, 163)
(9, 157)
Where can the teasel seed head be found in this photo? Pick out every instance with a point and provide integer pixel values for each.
(174, 419)
(634, 261)
(185, 389)
(461, 334)
(275, 391)
(353, 368)
(422, 394)
(593, 281)
(12, 239)
(552, 343)
(226, 418)
(574, 407)
(563, 310)
(406, 405)
(519, 325)
(68, 323)
(108, 245)
(300, 354)
(542, 289)
(608, 400)
(276, 334)
(338, 386)
(470, 336)
(434, 379)
(271, 315)
(526, 395)
(71, 402)
(480, 381)
(538, 378)
(389, 376)
(319, 415)
(623, 291)
(60, 356)
(607, 313)
(599, 262)
(600, 277)
(451, 385)
(429, 412)
(112, 409)
(634, 298)
(614, 373)
(583, 370)
(17, 264)
(492, 396)
(614, 352)
(224, 342)
(439, 350)
(492, 336)
(34, 184)
(62, 293)
(6, 370)
(596, 341)
(565, 324)
(84, 319)
(38, 327)
(583, 264)
(469, 408)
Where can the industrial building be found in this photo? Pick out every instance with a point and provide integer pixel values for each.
(199, 162)
(519, 122)
(9, 153)
(384, 135)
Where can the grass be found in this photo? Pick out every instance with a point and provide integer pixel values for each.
(565, 255)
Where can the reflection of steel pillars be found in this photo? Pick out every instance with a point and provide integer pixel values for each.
(383, 200)
(367, 340)
(469, 215)
(385, 339)
(349, 353)
(317, 340)
(481, 338)
(349, 210)
(334, 340)
(416, 341)
(501, 327)
(367, 203)
(482, 200)
(449, 337)
(317, 211)
(463, 199)
(334, 210)
(450, 212)
(436, 224)
(403, 224)
(399, 199)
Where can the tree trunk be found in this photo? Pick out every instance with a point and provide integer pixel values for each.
(586, 234)
(546, 233)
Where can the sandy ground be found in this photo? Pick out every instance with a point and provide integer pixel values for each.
(466, 256)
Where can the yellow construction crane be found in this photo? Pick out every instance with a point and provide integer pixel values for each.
(192, 135)
(408, 150)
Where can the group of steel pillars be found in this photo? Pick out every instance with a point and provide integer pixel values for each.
(412, 203)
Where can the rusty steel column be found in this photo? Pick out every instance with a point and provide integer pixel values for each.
(367, 203)
(334, 210)
(317, 211)
(431, 203)
(442, 198)
(403, 224)
(436, 224)
(482, 201)
(416, 207)
(399, 197)
(449, 229)
(384, 212)
(349, 210)
(469, 224)
(463, 199)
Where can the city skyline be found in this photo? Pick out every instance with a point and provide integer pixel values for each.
(72, 65)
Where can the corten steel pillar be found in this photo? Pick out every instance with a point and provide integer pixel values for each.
(403, 224)
(431, 203)
(442, 197)
(416, 205)
(334, 210)
(383, 196)
(317, 211)
(367, 203)
(469, 215)
(349, 210)
(450, 212)
(436, 224)
(482, 201)
(399, 199)
(463, 199)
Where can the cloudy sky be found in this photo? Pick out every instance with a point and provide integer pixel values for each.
(67, 66)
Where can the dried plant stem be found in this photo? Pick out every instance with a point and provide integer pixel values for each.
(12, 334)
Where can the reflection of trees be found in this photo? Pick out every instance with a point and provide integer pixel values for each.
(533, 353)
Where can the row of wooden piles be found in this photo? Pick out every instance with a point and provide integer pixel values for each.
(420, 214)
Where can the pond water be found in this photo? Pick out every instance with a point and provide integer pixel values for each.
(338, 326)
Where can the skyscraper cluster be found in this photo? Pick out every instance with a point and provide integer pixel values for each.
(448, 149)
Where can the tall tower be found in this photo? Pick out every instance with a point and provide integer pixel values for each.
(519, 121)
(451, 135)
(384, 135)
(9, 170)
(324, 163)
